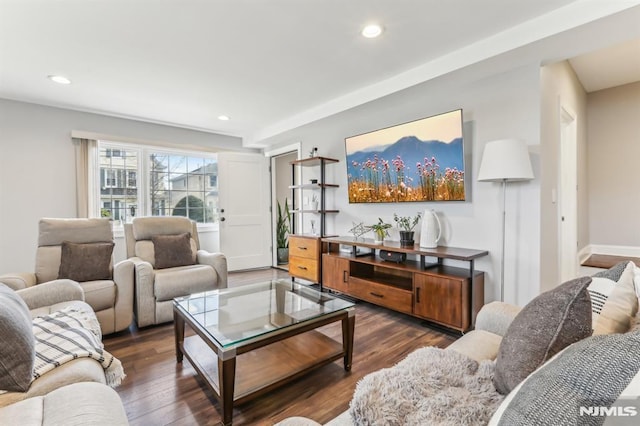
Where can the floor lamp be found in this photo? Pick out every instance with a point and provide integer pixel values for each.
(505, 160)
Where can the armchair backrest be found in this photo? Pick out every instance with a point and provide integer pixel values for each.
(53, 232)
(139, 232)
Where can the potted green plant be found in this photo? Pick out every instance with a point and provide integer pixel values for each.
(380, 230)
(283, 228)
(406, 225)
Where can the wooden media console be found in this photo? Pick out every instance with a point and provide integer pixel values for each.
(447, 295)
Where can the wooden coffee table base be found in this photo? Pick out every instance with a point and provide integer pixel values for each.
(236, 375)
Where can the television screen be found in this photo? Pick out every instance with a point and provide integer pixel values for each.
(422, 160)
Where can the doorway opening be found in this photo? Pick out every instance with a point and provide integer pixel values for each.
(281, 202)
(568, 196)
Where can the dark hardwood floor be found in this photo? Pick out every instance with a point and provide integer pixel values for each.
(158, 391)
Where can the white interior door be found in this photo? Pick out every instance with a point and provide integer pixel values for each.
(245, 219)
(568, 244)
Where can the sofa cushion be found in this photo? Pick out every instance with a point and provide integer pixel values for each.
(546, 325)
(613, 299)
(175, 282)
(100, 294)
(86, 261)
(172, 250)
(73, 405)
(17, 351)
(594, 372)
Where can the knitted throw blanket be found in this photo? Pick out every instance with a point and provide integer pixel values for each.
(71, 333)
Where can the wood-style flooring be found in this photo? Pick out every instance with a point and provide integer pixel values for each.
(606, 261)
(158, 391)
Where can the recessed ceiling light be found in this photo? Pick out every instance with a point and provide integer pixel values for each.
(372, 31)
(223, 117)
(59, 79)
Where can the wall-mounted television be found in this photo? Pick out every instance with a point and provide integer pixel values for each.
(422, 160)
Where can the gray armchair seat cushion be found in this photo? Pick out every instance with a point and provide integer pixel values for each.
(17, 351)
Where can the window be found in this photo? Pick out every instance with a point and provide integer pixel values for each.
(172, 183)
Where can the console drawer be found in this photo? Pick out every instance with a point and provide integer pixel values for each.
(380, 294)
(308, 248)
(304, 268)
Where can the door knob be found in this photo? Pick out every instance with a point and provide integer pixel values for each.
(222, 219)
(221, 210)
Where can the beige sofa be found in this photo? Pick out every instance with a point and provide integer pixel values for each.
(157, 285)
(74, 393)
(480, 344)
(111, 298)
(566, 349)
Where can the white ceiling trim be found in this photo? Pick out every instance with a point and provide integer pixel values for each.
(573, 15)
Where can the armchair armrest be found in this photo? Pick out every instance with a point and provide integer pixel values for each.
(51, 292)
(19, 280)
(496, 317)
(123, 277)
(145, 300)
(218, 262)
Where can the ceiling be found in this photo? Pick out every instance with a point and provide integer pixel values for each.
(269, 65)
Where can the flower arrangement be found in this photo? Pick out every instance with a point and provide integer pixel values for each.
(380, 229)
(407, 223)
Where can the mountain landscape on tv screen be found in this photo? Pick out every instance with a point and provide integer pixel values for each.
(409, 169)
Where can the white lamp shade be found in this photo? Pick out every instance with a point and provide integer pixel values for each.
(505, 159)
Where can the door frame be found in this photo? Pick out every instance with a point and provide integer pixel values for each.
(273, 155)
(568, 194)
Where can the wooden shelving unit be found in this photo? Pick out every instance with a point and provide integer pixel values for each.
(305, 249)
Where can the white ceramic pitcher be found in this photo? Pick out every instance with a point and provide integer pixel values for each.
(431, 230)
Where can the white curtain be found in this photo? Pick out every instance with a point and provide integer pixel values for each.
(86, 188)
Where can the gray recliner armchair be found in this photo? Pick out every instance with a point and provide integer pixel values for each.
(82, 250)
(169, 263)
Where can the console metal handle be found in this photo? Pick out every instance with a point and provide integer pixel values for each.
(376, 294)
(302, 248)
(418, 295)
(345, 276)
(302, 267)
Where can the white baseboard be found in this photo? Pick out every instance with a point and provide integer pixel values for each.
(628, 251)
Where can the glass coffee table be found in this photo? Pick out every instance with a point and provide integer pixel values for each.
(250, 339)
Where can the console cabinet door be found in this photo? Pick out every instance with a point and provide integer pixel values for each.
(335, 273)
(439, 299)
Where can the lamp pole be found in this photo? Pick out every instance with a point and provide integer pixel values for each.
(504, 221)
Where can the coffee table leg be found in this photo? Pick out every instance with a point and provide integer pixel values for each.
(226, 379)
(178, 327)
(348, 328)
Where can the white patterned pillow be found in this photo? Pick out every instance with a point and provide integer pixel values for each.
(614, 302)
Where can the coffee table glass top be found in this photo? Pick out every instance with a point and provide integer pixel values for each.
(234, 315)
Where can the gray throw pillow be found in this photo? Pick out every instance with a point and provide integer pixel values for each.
(546, 325)
(590, 374)
(172, 250)
(17, 351)
(86, 261)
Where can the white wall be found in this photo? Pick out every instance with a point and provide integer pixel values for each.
(560, 86)
(614, 153)
(37, 169)
(498, 106)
